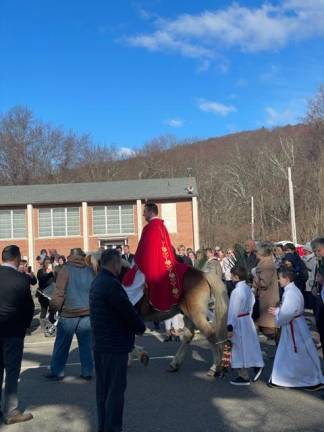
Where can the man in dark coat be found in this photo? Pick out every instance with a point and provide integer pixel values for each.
(16, 314)
(127, 256)
(251, 256)
(114, 324)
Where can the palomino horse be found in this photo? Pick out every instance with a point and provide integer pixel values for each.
(198, 290)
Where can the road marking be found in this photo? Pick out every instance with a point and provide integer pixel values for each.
(79, 364)
(51, 342)
(39, 343)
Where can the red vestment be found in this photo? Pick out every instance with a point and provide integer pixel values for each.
(156, 259)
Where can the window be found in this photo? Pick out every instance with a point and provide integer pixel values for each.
(12, 224)
(113, 220)
(59, 222)
(169, 215)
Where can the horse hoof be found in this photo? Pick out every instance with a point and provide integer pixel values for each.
(172, 368)
(211, 373)
(145, 359)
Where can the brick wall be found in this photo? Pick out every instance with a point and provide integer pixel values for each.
(22, 244)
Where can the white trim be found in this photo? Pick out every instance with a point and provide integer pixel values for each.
(169, 216)
(16, 238)
(52, 223)
(112, 236)
(11, 223)
(120, 216)
(85, 226)
(195, 222)
(55, 237)
(139, 218)
(30, 234)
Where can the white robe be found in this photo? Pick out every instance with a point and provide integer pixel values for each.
(296, 363)
(246, 350)
(136, 291)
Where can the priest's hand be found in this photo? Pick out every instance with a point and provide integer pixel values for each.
(272, 310)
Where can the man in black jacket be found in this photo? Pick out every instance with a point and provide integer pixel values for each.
(114, 324)
(251, 256)
(127, 256)
(16, 314)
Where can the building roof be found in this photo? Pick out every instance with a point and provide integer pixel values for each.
(128, 190)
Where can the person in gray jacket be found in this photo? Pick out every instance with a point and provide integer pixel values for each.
(71, 299)
(310, 261)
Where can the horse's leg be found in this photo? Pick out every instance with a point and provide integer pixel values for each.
(195, 306)
(217, 350)
(188, 335)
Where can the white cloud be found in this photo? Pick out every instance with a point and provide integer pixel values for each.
(215, 107)
(125, 153)
(175, 123)
(163, 41)
(250, 29)
(289, 115)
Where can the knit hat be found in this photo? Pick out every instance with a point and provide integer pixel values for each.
(308, 247)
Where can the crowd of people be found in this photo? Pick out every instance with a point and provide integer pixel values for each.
(268, 285)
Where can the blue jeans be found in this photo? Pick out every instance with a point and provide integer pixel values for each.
(66, 329)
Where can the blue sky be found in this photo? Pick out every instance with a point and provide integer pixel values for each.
(127, 71)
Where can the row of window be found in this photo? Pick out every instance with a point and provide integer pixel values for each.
(65, 222)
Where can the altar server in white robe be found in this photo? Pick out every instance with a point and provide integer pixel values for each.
(296, 363)
(246, 350)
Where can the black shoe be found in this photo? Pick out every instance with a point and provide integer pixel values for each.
(86, 378)
(258, 372)
(168, 339)
(1, 415)
(52, 377)
(314, 388)
(239, 381)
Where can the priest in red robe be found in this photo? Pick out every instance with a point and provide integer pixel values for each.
(155, 258)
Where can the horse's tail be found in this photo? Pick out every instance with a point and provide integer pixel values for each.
(219, 292)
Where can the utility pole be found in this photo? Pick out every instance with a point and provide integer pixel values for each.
(292, 207)
(252, 219)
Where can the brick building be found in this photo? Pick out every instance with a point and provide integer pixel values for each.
(91, 215)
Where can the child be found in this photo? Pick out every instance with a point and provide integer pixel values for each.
(246, 351)
(296, 363)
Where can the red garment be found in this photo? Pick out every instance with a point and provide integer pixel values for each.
(155, 258)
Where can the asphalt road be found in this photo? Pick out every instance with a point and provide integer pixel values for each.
(157, 401)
